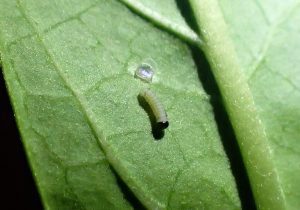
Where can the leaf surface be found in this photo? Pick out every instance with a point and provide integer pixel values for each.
(267, 48)
(69, 67)
(247, 100)
(265, 35)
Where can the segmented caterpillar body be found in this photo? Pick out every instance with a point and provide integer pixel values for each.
(157, 108)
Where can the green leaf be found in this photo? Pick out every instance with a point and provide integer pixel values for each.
(270, 61)
(69, 68)
(255, 102)
(265, 35)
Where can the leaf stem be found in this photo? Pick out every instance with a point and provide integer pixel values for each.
(239, 104)
(183, 32)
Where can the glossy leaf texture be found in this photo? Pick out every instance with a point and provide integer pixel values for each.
(69, 68)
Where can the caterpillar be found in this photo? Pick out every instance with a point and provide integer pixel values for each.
(157, 108)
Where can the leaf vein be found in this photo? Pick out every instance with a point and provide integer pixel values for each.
(273, 29)
(68, 85)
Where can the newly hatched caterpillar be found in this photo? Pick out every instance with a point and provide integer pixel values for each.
(157, 108)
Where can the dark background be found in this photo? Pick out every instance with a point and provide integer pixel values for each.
(18, 190)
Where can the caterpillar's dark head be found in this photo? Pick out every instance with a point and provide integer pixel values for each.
(163, 124)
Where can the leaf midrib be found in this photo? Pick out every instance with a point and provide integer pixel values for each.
(182, 32)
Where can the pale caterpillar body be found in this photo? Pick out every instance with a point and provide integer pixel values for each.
(157, 108)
